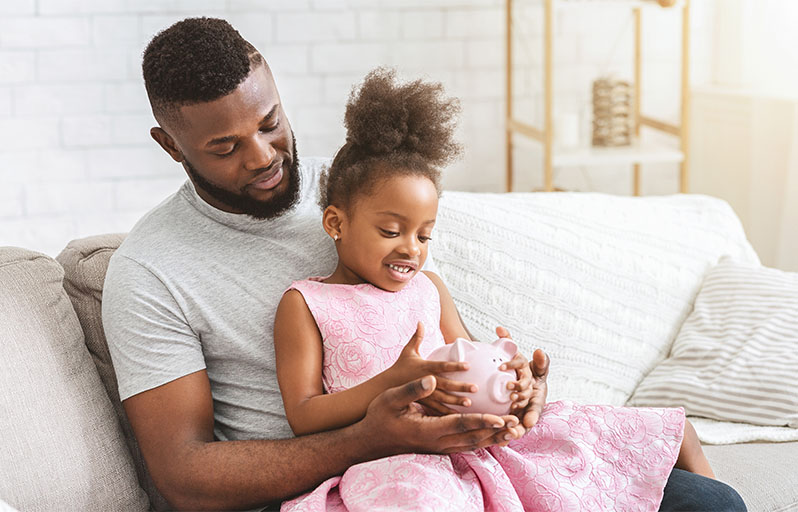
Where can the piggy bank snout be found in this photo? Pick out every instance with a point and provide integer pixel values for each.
(497, 387)
(492, 395)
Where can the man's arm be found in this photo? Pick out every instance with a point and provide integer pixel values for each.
(173, 424)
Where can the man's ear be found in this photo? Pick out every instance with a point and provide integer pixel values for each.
(333, 219)
(167, 143)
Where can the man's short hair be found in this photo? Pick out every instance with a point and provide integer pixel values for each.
(194, 61)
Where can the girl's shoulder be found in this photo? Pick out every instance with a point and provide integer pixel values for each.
(432, 279)
(301, 285)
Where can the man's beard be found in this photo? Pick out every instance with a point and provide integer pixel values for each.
(269, 209)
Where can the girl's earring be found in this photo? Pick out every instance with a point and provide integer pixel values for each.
(335, 237)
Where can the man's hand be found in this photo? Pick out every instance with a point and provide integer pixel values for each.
(394, 425)
(528, 400)
(411, 366)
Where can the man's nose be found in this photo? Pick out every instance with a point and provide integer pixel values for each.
(261, 153)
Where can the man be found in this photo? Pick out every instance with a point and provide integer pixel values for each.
(191, 294)
(190, 298)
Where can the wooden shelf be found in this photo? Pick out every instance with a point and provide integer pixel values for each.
(626, 4)
(624, 155)
(636, 154)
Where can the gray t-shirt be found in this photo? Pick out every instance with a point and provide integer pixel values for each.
(195, 288)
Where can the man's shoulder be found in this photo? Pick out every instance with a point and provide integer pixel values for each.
(311, 169)
(157, 227)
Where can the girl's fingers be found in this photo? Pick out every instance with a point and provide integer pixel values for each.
(447, 398)
(519, 363)
(518, 406)
(436, 367)
(501, 332)
(445, 384)
(523, 387)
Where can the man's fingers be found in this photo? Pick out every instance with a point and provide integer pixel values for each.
(481, 439)
(531, 417)
(415, 390)
(436, 401)
(454, 424)
(473, 439)
(540, 364)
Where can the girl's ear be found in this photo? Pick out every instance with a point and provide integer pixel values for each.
(333, 219)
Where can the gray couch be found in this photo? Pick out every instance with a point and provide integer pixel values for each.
(66, 444)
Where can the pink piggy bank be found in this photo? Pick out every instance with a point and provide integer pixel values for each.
(492, 396)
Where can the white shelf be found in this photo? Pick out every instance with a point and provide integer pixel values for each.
(645, 153)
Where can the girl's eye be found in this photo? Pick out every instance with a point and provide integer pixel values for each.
(388, 233)
(424, 239)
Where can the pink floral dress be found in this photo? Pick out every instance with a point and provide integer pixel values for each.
(577, 457)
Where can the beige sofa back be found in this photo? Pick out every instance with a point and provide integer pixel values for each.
(85, 262)
(62, 446)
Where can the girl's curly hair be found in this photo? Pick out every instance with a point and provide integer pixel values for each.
(392, 129)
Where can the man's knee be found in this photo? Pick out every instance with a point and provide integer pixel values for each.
(687, 491)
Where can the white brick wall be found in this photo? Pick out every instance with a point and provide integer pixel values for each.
(76, 157)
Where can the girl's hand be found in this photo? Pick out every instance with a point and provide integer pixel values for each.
(411, 366)
(538, 372)
(521, 388)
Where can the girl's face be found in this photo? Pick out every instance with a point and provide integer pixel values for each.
(384, 239)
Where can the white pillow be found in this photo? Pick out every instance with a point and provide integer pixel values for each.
(602, 283)
(736, 357)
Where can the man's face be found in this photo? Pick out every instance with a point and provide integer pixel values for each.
(239, 150)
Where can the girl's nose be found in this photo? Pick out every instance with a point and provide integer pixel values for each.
(411, 247)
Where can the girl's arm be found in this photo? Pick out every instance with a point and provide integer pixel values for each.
(451, 324)
(298, 353)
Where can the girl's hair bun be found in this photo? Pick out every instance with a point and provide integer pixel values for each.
(391, 129)
(384, 117)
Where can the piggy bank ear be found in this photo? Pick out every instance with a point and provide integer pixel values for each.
(507, 346)
(461, 347)
(455, 351)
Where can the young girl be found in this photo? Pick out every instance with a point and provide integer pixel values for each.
(341, 340)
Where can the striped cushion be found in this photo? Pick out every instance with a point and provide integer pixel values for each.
(736, 356)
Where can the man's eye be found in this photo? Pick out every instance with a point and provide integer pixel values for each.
(389, 233)
(227, 153)
(267, 129)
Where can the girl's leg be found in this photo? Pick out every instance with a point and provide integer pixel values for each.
(691, 456)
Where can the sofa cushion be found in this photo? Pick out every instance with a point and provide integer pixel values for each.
(736, 355)
(763, 473)
(61, 443)
(601, 282)
(85, 262)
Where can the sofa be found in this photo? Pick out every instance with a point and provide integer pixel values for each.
(602, 283)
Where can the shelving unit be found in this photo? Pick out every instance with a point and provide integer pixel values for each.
(636, 154)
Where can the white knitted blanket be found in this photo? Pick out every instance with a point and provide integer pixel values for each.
(602, 283)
